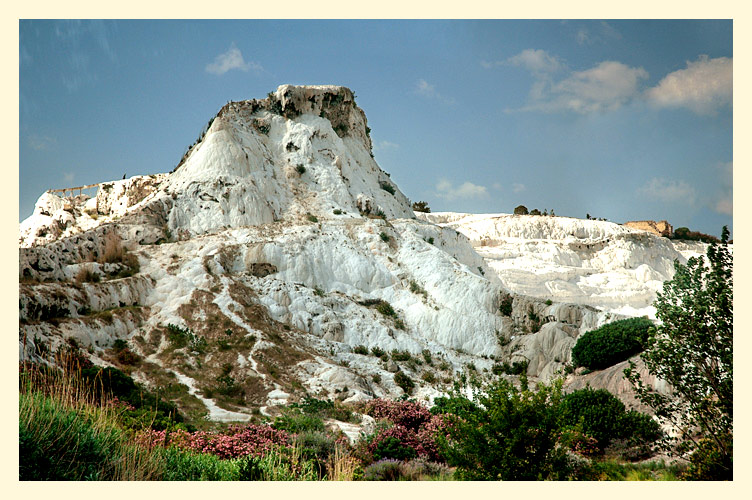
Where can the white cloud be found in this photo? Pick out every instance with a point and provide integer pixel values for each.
(605, 87)
(517, 187)
(582, 36)
(670, 191)
(40, 142)
(384, 145)
(603, 32)
(232, 59)
(427, 90)
(536, 61)
(704, 86)
(448, 191)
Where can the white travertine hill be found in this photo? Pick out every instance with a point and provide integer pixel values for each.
(564, 259)
(255, 165)
(280, 242)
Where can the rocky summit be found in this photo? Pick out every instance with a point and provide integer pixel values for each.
(278, 260)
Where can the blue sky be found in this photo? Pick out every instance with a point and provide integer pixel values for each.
(626, 120)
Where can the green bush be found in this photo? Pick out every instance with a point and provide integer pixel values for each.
(386, 309)
(378, 352)
(295, 421)
(516, 368)
(384, 237)
(604, 417)
(520, 210)
(505, 307)
(427, 356)
(325, 409)
(510, 434)
(301, 169)
(391, 447)
(709, 463)
(457, 405)
(404, 382)
(387, 187)
(611, 343)
(401, 355)
(361, 349)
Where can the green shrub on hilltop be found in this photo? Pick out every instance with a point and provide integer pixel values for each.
(611, 343)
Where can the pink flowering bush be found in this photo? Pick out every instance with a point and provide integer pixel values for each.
(237, 441)
(413, 434)
(405, 413)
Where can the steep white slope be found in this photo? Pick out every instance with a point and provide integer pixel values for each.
(256, 166)
(598, 263)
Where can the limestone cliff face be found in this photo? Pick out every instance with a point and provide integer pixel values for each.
(661, 228)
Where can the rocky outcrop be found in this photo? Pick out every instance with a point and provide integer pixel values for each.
(661, 228)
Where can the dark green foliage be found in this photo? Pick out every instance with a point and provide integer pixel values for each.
(385, 308)
(421, 206)
(404, 382)
(399, 324)
(611, 343)
(416, 288)
(604, 417)
(391, 447)
(325, 409)
(505, 307)
(149, 409)
(516, 368)
(427, 356)
(384, 237)
(683, 233)
(387, 187)
(401, 355)
(548, 302)
(341, 129)
(711, 463)
(379, 352)
(511, 434)
(337, 211)
(430, 240)
(312, 218)
(361, 349)
(456, 405)
(428, 377)
(520, 210)
(535, 211)
(692, 349)
(301, 169)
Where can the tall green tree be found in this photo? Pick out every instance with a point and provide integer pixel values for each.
(692, 350)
